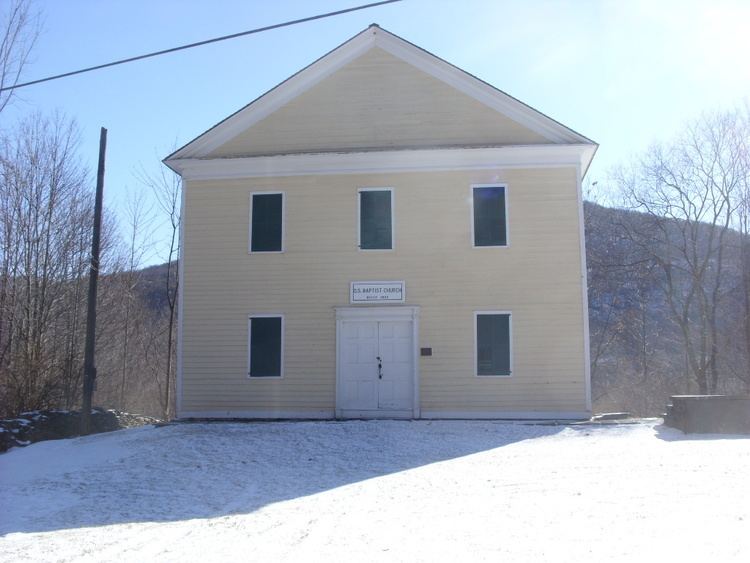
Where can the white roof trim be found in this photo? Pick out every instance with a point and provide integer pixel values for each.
(525, 156)
(371, 37)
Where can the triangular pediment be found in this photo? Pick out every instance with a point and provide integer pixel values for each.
(378, 101)
(377, 92)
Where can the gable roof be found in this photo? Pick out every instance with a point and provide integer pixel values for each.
(373, 37)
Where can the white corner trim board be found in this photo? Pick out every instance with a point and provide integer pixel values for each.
(584, 290)
(487, 158)
(180, 308)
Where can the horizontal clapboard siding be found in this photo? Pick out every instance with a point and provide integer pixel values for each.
(378, 101)
(537, 277)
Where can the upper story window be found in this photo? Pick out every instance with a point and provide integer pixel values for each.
(489, 224)
(267, 222)
(376, 219)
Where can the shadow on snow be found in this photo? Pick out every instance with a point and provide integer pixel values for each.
(210, 470)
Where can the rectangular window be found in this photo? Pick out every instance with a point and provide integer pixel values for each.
(493, 338)
(266, 222)
(375, 219)
(490, 225)
(266, 346)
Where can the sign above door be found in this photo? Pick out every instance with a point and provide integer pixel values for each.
(377, 292)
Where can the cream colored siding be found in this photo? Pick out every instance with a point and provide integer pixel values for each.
(378, 101)
(537, 278)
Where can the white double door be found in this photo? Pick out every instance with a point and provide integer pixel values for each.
(376, 368)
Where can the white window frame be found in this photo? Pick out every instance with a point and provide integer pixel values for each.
(507, 215)
(283, 224)
(510, 344)
(359, 219)
(249, 346)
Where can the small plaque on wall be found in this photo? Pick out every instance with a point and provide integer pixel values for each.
(377, 292)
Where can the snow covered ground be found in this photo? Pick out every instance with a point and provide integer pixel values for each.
(381, 490)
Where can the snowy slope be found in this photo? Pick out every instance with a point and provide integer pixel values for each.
(385, 490)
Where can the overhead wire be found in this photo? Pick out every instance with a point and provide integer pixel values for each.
(198, 44)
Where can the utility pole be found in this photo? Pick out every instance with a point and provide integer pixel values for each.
(89, 366)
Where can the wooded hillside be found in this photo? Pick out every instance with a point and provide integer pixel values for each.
(638, 355)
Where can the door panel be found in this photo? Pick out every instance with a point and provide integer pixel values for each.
(396, 350)
(359, 365)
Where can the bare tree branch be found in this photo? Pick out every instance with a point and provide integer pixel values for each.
(19, 30)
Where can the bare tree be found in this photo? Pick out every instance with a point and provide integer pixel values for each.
(45, 215)
(688, 193)
(167, 189)
(630, 350)
(18, 34)
(138, 224)
(743, 225)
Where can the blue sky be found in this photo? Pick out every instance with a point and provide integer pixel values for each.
(625, 73)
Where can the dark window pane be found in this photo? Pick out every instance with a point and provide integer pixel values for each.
(265, 347)
(489, 216)
(493, 344)
(266, 223)
(375, 220)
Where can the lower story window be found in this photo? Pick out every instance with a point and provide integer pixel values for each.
(265, 350)
(493, 343)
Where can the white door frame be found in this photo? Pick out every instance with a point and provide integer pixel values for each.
(378, 313)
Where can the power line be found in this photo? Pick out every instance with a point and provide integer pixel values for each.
(199, 43)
